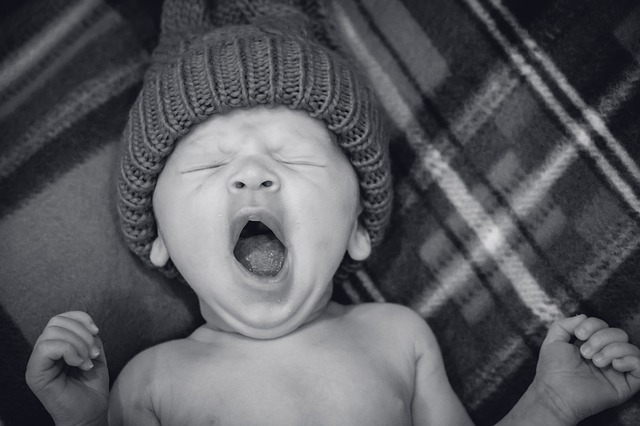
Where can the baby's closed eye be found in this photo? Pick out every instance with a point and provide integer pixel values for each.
(301, 162)
(203, 167)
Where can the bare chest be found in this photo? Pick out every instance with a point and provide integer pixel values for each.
(283, 386)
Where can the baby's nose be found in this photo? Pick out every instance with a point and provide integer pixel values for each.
(254, 175)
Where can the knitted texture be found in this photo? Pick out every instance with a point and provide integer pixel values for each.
(199, 70)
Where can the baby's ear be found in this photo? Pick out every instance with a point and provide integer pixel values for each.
(159, 255)
(359, 247)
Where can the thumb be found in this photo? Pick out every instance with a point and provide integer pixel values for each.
(629, 366)
(102, 358)
(563, 329)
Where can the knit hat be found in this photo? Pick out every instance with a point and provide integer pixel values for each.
(241, 54)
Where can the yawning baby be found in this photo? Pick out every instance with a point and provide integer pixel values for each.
(255, 165)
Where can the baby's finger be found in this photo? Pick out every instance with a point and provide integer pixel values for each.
(602, 338)
(614, 351)
(78, 328)
(82, 317)
(628, 364)
(61, 349)
(563, 329)
(42, 365)
(56, 333)
(101, 358)
(588, 327)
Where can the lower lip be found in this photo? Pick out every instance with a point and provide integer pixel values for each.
(268, 286)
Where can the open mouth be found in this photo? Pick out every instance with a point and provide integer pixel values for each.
(259, 250)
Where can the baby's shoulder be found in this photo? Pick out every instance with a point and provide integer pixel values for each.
(390, 318)
(160, 354)
(384, 313)
(141, 371)
(143, 381)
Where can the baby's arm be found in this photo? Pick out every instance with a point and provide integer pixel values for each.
(434, 401)
(131, 400)
(67, 371)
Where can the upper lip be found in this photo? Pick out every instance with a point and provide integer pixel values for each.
(257, 214)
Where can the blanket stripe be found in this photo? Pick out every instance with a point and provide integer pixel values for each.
(62, 148)
(80, 102)
(579, 134)
(32, 65)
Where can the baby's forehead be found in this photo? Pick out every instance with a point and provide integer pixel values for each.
(279, 125)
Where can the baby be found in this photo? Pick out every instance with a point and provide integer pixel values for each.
(255, 166)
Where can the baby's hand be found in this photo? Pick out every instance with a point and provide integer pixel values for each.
(579, 381)
(67, 370)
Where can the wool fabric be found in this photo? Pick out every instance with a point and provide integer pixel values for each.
(267, 57)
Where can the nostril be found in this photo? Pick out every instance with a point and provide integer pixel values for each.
(254, 184)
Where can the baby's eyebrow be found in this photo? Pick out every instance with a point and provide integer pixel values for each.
(198, 140)
(311, 138)
(204, 143)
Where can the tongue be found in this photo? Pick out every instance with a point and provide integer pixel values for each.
(261, 254)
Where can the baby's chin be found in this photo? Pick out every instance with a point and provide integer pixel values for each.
(268, 321)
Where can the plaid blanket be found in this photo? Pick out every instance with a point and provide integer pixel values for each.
(516, 178)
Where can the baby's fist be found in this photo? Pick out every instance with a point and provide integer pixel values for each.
(579, 381)
(77, 395)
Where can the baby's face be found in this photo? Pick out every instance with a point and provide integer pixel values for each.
(274, 166)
